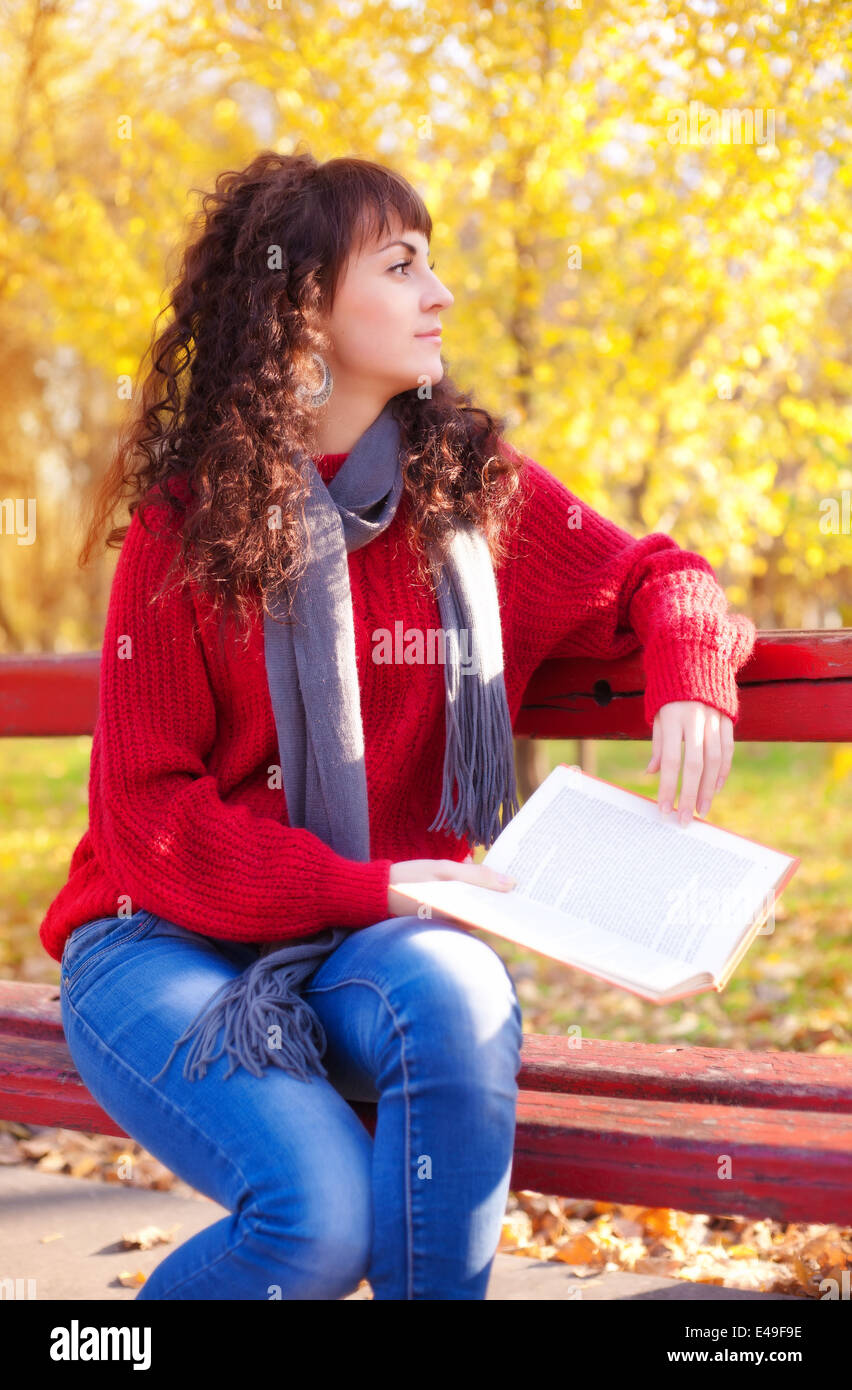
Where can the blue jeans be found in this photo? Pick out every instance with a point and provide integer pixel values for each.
(420, 1016)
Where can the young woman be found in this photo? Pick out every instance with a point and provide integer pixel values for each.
(297, 408)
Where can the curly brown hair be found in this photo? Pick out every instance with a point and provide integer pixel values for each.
(225, 408)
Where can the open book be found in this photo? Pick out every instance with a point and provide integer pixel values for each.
(606, 885)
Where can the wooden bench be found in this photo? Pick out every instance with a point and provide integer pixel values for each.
(642, 1123)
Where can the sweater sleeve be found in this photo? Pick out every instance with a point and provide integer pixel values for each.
(158, 823)
(589, 588)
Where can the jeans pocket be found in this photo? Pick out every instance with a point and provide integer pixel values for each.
(91, 941)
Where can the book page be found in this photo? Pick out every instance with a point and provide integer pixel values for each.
(651, 888)
(556, 934)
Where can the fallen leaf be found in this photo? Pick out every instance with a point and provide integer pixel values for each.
(580, 1250)
(148, 1236)
(664, 1221)
(36, 1147)
(53, 1162)
(85, 1165)
(517, 1228)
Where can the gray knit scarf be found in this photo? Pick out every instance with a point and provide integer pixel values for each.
(313, 683)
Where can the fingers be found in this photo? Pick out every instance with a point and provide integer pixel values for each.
(712, 761)
(671, 732)
(693, 761)
(654, 764)
(481, 874)
(727, 746)
(707, 737)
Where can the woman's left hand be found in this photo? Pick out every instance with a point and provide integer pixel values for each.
(709, 738)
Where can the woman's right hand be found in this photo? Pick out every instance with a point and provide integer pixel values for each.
(425, 870)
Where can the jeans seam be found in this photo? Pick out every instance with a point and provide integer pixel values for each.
(175, 1109)
(341, 984)
(74, 975)
(204, 1269)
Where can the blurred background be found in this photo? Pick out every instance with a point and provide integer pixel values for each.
(643, 212)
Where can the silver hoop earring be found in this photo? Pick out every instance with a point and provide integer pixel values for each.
(321, 396)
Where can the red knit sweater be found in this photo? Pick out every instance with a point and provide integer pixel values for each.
(187, 817)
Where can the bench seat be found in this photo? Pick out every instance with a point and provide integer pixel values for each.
(642, 1123)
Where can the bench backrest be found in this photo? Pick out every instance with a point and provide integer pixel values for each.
(796, 686)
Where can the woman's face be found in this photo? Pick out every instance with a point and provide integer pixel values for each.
(387, 299)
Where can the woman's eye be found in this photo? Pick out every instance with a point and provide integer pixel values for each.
(400, 264)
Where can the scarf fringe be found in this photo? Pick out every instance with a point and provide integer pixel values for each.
(262, 997)
(479, 743)
(491, 783)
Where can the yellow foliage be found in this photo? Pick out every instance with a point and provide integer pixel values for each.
(841, 763)
(602, 271)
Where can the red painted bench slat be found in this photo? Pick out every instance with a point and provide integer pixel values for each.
(796, 686)
(710, 1075)
(29, 1013)
(808, 676)
(787, 1165)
